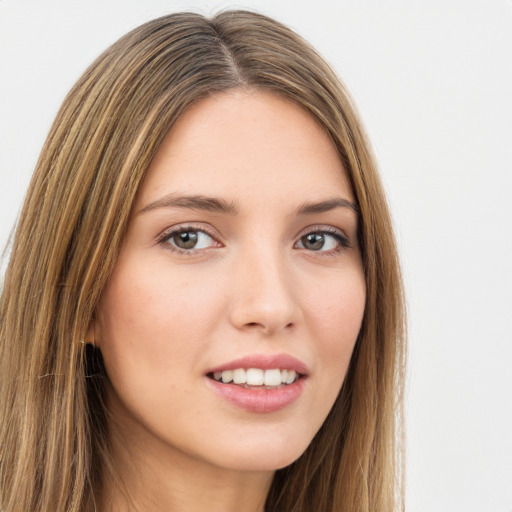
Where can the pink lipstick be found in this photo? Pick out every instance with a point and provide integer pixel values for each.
(260, 383)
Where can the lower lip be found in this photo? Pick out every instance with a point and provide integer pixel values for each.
(259, 400)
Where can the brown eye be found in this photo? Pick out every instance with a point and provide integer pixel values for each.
(322, 241)
(313, 241)
(185, 239)
(189, 239)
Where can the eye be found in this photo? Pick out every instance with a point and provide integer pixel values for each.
(322, 241)
(187, 239)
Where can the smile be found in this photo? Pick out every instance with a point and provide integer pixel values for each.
(260, 383)
(265, 379)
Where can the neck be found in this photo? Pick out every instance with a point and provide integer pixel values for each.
(149, 474)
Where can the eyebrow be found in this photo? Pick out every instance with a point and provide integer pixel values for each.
(310, 208)
(212, 204)
(194, 202)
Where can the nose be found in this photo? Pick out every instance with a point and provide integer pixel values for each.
(264, 297)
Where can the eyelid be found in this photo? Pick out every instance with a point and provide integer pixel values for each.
(339, 234)
(180, 228)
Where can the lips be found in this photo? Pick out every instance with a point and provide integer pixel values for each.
(264, 362)
(260, 383)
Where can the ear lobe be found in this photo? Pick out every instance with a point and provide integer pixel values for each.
(91, 336)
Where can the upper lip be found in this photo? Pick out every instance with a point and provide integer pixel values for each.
(264, 362)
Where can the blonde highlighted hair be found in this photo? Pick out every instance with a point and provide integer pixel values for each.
(53, 446)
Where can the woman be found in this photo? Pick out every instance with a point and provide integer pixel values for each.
(203, 307)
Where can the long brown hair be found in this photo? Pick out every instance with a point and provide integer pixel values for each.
(53, 446)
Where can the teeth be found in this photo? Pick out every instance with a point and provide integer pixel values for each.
(227, 376)
(272, 377)
(291, 376)
(239, 376)
(257, 377)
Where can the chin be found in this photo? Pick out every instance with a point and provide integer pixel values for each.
(268, 456)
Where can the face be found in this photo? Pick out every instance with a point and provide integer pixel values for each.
(230, 318)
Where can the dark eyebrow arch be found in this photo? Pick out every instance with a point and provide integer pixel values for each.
(327, 205)
(194, 202)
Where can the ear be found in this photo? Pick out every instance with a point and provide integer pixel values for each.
(92, 336)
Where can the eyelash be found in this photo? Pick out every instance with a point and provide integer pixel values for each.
(341, 239)
(164, 238)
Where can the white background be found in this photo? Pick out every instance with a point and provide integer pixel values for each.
(433, 81)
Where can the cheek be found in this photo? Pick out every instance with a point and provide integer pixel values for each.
(155, 297)
(336, 309)
(153, 320)
(335, 317)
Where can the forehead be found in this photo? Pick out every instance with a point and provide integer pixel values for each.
(246, 144)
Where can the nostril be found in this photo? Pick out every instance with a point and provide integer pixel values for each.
(253, 325)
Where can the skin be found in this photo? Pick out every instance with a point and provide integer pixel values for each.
(252, 287)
